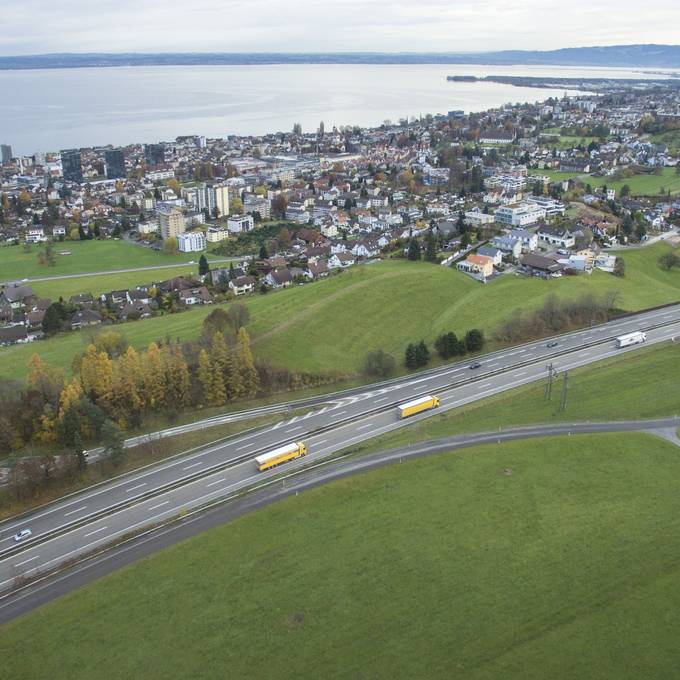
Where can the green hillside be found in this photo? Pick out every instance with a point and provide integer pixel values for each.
(330, 325)
(553, 558)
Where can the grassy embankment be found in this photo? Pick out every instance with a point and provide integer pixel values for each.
(330, 325)
(643, 184)
(640, 385)
(553, 558)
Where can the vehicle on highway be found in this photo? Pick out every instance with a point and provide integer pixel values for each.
(24, 533)
(554, 343)
(281, 455)
(634, 338)
(475, 365)
(410, 408)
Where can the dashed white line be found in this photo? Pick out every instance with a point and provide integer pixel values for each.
(292, 429)
(321, 441)
(134, 488)
(339, 413)
(30, 559)
(245, 446)
(217, 481)
(72, 512)
(377, 401)
(363, 427)
(159, 505)
(96, 531)
(193, 465)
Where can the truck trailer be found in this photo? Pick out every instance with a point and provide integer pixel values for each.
(410, 408)
(281, 455)
(634, 338)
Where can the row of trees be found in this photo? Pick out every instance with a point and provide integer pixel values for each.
(447, 346)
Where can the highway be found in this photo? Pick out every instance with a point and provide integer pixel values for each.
(94, 518)
(21, 601)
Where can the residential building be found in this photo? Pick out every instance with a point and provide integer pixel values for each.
(528, 239)
(213, 199)
(216, 234)
(71, 165)
(507, 244)
(115, 163)
(557, 236)
(540, 266)
(171, 221)
(519, 214)
(494, 253)
(238, 223)
(476, 218)
(242, 284)
(191, 242)
(479, 266)
(252, 203)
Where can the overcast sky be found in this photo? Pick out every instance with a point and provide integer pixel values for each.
(40, 26)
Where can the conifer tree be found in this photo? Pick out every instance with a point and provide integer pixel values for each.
(246, 366)
(205, 377)
(154, 378)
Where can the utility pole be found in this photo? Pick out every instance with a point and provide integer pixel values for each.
(548, 388)
(565, 389)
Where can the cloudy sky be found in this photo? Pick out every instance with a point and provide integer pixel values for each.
(41, 26)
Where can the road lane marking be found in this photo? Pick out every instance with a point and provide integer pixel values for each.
(377, 401)
(217, 481)
(134, 488)
(340, 413)
(522, 373)
(193, 465)
(160, 505)
(292, 429)
(72, 512)
(321, 441)
(96, 531)
(363, 427)
(245, 446)
(30, 559)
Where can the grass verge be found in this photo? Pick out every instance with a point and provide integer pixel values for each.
(553, 558)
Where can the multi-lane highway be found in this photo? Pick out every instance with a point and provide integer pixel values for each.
(90, 520)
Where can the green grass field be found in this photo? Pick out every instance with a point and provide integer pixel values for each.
(553, 558)
(102, 283)
(641, 384)
(642, 185)
(555, 175)
(84, 257)
(330, 325)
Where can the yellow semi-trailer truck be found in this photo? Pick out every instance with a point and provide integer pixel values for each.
(281, 455)
(410, 408)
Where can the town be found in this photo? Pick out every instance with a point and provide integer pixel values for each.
(533, 190)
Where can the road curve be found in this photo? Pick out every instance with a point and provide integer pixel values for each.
(29, 597)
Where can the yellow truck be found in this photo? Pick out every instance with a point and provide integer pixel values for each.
(281, 455)
(410, 408)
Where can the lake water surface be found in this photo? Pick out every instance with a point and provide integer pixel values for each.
(46, 110)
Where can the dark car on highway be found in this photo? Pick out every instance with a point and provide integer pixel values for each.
(475, 365)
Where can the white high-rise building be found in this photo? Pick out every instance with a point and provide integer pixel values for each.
(192, 242)
(211, 196)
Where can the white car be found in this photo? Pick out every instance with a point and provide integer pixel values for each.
(24, 533)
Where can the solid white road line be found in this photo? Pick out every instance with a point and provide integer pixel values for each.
(134, 488)
(96, 531)
(72, 512)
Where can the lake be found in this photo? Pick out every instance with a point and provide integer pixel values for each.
(47, 110)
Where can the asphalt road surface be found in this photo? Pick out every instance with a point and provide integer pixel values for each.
(16, 603)
(92, 519)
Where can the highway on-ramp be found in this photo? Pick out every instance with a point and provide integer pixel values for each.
(19, 602)
(90, 520)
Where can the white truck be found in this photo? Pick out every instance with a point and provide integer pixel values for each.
(635, 338)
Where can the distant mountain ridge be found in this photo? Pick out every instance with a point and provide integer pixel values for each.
(649, 56)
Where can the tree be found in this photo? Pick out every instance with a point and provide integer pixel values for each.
(413, 250)
(474, 340)
(422, 354)
(51, 322)
(218, 321)
(411, 359)
(619, 267)
(430, 247)
(669, 260)
(96, 374)
(113, 443)
(263, 252)
(170, 246)
(250, 379)
(203, 267)
(625, 191)
(153, 377)
(174, 185)
(239, 316)
(205, 378)
(378, 363)
(177, 377)
(447, 345)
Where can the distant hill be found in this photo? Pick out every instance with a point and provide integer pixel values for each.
(661, 56)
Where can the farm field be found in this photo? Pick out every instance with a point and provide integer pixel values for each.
(641, 185)
(645, 383)
(84, 257)
(551, 558)
(330, 325)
